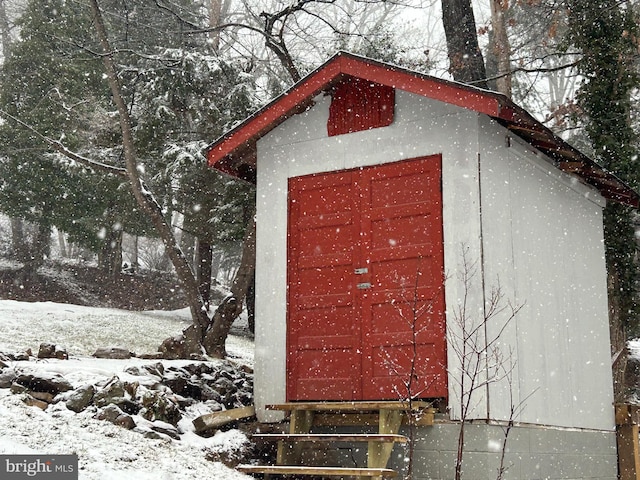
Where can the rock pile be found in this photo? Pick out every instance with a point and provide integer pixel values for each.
(151, 398)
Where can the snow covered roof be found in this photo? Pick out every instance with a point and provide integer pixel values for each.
(235, 151)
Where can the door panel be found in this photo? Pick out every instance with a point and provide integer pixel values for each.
(322, 338)
(366, 298)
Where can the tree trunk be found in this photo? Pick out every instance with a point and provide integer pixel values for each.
(203, 269)
(231, 307)
(34, 258)
(500, 47)
(110, 255)
(215, 266)
(620, 254)
(215, 15)
(62, 244)
(251, 304)
(41, 244)
(135, 261)
(187, 244)
(5, 34)
(466, 63)
(18, 240)
(192, 341)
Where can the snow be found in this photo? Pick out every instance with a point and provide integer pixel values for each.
(105, 451)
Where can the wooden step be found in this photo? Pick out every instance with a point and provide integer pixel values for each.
(317, 471)
(371, 406)
(321, 414)
(331, 437)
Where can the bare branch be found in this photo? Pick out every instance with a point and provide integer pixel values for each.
(59, 147)
(176, 15)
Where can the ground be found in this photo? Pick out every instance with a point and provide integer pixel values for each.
(76, 307)
(84, 284)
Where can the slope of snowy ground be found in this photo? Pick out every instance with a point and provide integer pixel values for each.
(105, 451)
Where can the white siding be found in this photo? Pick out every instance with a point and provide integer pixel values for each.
(542, 241)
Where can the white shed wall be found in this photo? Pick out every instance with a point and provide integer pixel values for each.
(542, 242)
(422, 127)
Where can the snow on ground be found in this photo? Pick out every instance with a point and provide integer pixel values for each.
(105, 451)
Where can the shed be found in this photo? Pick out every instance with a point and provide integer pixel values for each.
(395, 211)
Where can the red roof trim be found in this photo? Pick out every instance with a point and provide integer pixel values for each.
(289, 102)
(438, 89)
(273, 113)
(234, 152)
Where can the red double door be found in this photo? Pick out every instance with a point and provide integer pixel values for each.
(365, 284)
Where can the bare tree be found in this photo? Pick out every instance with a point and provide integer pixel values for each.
(482, 359)
(414, 311)
(476, 344)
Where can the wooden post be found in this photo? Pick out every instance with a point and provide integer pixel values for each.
(290, 453)
(379, 452)
(627, 432)
(628, 452)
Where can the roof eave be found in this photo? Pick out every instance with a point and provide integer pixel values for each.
(235, 152)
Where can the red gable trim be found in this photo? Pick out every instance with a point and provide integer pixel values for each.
(296, 99)
(435, 88)
(274, 113)
(235, 152)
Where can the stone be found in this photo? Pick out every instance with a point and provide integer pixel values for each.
(112, 390)
(209, 393)
(51, 383)
(21, 356)
(131, 388)
(151, 356)
(34, 402)
(174, 348)
(183, 387)
(158, 406)
(44, 396)
(111, 413)
(155, 369)
(126, 405)
(125, 421)
(46, 350)
(224, 386)
(50, 350)
(3, 365)
(7, 378)
(114, 353)
(80, 398)
(17, 389)
(168, 430)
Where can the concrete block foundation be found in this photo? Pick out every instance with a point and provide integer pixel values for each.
(532, 453)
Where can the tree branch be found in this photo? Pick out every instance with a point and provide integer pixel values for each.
(59, 147)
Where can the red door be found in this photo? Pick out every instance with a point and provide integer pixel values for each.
(365, 276)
